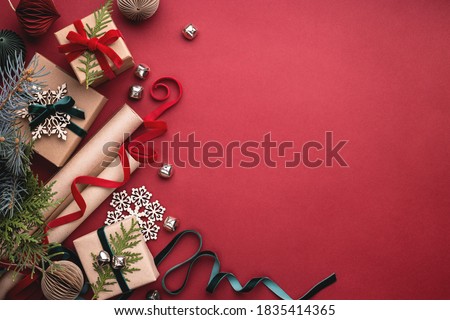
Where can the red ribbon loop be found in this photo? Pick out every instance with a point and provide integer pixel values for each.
(80, 43)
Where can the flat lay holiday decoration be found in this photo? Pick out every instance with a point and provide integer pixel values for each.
(357, 88)
(74, 210)
(95, 47)
(122, 239)
(36, 16)
(57, 133)
(138, 204)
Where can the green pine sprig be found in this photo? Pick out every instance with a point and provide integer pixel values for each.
(120, 244)
(90, 63)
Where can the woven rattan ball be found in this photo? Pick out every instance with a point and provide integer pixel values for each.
(138, 10)
(64, 282)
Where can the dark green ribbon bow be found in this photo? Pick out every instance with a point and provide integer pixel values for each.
(41, 112)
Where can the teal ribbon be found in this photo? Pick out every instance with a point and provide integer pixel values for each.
(66, 105)
(216, 276)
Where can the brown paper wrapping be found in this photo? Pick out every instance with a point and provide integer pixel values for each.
(87, 161)
(56, 150)
(93, 196)
(91, 159)
(118, 46)
(90, 243)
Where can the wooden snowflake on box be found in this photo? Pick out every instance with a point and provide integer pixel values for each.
(138, 205)
(55, 124)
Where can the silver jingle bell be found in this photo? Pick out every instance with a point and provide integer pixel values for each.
(153, 295)
(103, 258)
(118, 262)
(142, 71)
(171, 224)
(166, 171)
(136, 92)
(190, 32)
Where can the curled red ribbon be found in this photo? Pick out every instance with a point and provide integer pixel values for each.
(80, 43)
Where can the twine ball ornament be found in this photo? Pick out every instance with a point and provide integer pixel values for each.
(138, 10)
(64, 282)
(11, 46)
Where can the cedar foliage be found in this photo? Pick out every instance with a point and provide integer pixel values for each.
(120, 244)
(89, 61)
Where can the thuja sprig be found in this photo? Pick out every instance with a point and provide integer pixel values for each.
(18, 87)
(120, 244)
(89, 61)
(102, 18)
(22, 249)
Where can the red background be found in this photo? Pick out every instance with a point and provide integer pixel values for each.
(374, 72)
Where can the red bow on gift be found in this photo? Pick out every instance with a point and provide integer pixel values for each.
(79, 43)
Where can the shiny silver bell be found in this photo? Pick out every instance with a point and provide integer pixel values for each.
(142, 71)
(166, 171)
(136, 92)
(171, 224)
(190, 32)
(103, 258)
(154, 295)
(118, 262)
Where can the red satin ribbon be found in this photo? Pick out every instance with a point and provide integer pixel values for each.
(154, 129)
(79, 43)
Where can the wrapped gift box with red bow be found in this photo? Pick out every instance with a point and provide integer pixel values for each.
(104, 54)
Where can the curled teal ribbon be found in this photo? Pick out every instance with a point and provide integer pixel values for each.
(216, 276)
(66, 105)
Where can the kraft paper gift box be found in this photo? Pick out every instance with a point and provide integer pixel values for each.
(54, 148)
(119, 46)
(89, 246)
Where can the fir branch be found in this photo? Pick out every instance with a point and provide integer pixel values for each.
(120, 244)
(102, 18)
(19, 85)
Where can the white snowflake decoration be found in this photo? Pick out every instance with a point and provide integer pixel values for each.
(55, 124)
(139, 206)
